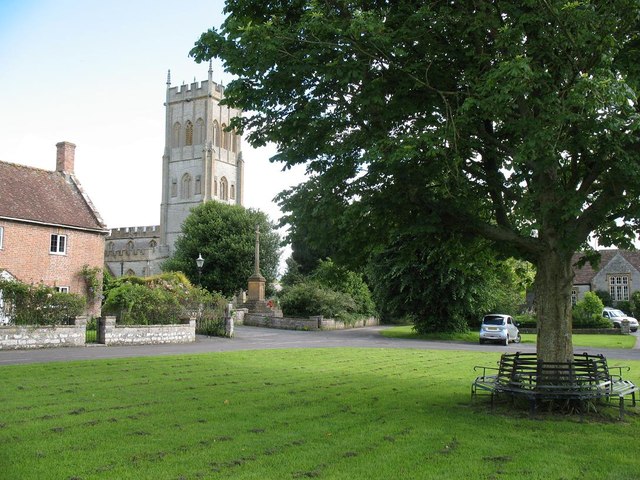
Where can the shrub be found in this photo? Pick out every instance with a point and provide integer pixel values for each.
(605, 297)
(311, 298)
(526, 320)
(587, 313)
(339, 279)
(39, 304)
(163, 299)
(635, 304)
(210, 312)
(625, 306)
(135, 304)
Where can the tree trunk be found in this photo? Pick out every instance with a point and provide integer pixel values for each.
(553, 283)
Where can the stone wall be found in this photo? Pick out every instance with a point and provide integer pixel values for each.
(24, 336)
(111, 334)
(292, 323)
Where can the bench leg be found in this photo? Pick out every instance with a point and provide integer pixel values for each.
(621, 407)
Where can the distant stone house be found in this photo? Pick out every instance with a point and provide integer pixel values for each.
(617, 273)
(49, 229)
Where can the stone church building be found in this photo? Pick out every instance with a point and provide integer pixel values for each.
(201, 162)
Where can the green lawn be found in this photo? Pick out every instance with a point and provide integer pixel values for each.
(579, 340)
(293, 414)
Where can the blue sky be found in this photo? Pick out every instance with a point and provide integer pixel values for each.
(94, 73)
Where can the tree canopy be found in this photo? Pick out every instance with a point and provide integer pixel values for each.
(225, 237)
(516, 121)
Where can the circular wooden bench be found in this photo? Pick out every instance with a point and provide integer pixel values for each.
(584, 380)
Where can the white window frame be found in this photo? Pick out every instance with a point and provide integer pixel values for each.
(59, 248)
(619, 287)
(1, 237)
(62, 289)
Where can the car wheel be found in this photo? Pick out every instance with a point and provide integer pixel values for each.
(518, 338)
(506, 341)
(482, 341)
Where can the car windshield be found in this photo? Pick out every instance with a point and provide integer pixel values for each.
(493, 320)
(616, 313)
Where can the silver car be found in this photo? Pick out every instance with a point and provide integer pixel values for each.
(499, 328)
(617, 316)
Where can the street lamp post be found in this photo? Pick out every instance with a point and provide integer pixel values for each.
(199, 264)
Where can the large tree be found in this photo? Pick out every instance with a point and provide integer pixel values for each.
(514, 120)
(225, 237)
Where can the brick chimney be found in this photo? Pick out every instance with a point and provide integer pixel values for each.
(65, 157)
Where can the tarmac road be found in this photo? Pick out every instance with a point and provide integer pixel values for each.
(255, 338)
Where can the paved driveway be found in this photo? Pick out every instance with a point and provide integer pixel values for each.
(255, 338)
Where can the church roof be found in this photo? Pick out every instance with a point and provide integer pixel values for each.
(42, 196)
(585, 274)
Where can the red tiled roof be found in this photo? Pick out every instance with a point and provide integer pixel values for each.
(43, 196)
(584, 275)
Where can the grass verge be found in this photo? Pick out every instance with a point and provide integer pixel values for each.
(579, 340)
(292, 414)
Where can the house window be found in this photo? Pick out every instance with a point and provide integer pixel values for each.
(619, 287)
(58, 244)
(1, 237)
(62, 289)
(574, 296)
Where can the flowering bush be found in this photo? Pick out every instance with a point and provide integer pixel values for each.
(26, 304)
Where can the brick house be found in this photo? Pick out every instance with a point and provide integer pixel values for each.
(617, 273)
(49, 229)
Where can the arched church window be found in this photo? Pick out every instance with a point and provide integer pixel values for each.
(185, 187)
(198, 185)
(175, 141)
(224, 137)
(153, 244)
(188, 133)
(215, 186)
(198, 133)
(224, 189)
(232, 192)
(216, 133)
(174, 187)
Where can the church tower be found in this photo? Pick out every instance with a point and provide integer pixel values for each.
(201, 160)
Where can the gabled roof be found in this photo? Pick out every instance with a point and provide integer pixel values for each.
(584, 275)
(42, 196)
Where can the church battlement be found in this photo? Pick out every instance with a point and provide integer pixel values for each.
(194, 90)
(128, 232)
